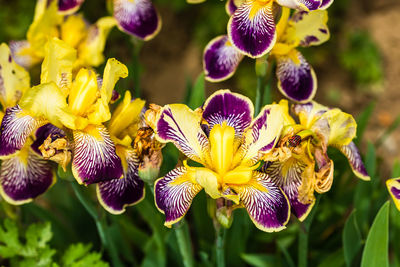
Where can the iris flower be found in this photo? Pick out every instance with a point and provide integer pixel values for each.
(23, 175)
(58, 19)
(296, 78)
(78, 106)
(300, 165)
(225, 139)
(393, 186)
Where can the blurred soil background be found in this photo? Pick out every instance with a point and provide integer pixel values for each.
(359, 66)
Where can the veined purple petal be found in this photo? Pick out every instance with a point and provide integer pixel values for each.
(116, 194)
(354, 158)
(174, 194)
(234, 109)
(265, 202)
(25, 176)
(21, 57)
(180, 125)
(69, 6)
(393, 185)
(251, 28)
(94, 158)
(139, 18)
(296, 78)
(43, 132)
(220, 59)
(287, 175)
(232, 5)
(301, 4)
(325, 4)
(16, 127)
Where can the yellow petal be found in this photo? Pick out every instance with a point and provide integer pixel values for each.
(207, 179)
(57, 64)
(90, 52)
(222, 148)
(84, 92)
(14, 79)
(47, 100)
(113, 71)
(127, 113)
(74, 30)
(342, 126)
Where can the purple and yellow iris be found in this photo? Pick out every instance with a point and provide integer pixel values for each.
(393, 185)
(24, 174)
(296, 78)
(301, 167)
(225, 139)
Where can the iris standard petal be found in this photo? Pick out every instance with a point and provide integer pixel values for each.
(234, 109)
(265, 202)
(309, 113)
(342, 127)
(300, 4)
(25, 176)
(174, 194)
(263, 133)
(69, 6)
(354, 158)
(296, 78)
(94, 157)
(14, 79)
(16, 127)
(115, 195)
(251, 28)
(287, 175)
(220, 59)
(393, 186)
(178, 124)
(139, 18)
(325, 4)
(307, 28)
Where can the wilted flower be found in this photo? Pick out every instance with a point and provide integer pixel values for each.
(228, 142)
(300, 165)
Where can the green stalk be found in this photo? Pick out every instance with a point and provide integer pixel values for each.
(101, 225)
(220, 245)
(257, 103)
(184, 243)
(303, 237)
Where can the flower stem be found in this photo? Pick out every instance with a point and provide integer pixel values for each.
(257, 105)
(220, 245)
(101, 225)
(184, 243)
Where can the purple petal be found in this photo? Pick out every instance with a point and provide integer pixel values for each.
(234, 109)
(116, 194)
(393, 185)
(69, 6)
(251, 29)
(354, 158)
(287, 175)
(265, 202)
(95, 159)
(138, 18)
(174, 194)
(16, 127)
(20, 56)
(296, 78)
(300, 4)
(180, 125)
(43, 132)
(231, 6)
(25, 176)
(220, 59)
(325, 4)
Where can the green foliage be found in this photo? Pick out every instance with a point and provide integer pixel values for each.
(352, 240)
(33, 249)
(362, 59)
(376, 247)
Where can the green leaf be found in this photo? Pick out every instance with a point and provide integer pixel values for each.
(376, 247)
(351, 239)
(79, 255)
(9, 243)
(197, 94)
(362, 121)
(370, 160)
(333, 260)
(396, 169)
(260, 260)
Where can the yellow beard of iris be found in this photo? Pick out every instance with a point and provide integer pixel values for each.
(223, 170)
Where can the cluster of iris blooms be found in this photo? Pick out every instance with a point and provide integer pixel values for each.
(270, 163)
